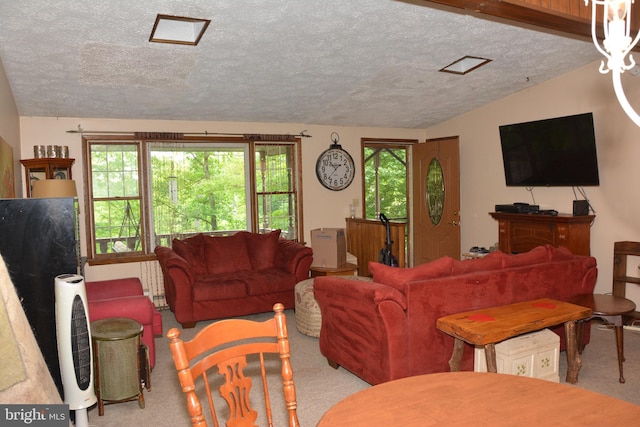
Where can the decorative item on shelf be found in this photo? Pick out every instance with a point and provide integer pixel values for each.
(51, 151)
(39, 151)
(335, 168)
(48, 188)
(617, 44)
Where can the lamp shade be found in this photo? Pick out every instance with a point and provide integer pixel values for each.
(54, 188)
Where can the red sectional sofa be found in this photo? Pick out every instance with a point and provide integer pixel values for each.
(213, 277)
(386, 329)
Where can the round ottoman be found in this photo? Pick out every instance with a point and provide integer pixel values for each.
(308, 317)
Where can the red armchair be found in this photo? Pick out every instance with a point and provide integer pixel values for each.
(124, 298)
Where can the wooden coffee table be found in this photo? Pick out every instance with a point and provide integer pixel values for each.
(489, 326)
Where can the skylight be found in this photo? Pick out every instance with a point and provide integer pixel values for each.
(178, 30)
(465, 65)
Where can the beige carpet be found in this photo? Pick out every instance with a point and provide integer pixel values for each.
(319, 386)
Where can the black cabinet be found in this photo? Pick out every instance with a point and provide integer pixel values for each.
(38, 242)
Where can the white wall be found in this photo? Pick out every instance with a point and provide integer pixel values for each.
(10, 126)
(322, 207)
(616, 201)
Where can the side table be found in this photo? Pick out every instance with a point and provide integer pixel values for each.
(118, 360)
(610, 308)
(347, 269)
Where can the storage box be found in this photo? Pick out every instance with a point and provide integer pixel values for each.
(534, 355)
(329, 247)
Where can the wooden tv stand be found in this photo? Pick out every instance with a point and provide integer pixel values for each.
(522, 232)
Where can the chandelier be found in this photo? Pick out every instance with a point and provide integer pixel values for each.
(616, 20)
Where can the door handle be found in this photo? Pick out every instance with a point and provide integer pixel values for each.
(456, 223)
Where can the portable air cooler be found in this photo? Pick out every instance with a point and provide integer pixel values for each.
(74, 345)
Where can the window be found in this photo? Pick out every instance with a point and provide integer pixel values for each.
(385, 178)
(143, 193)
(276, 183)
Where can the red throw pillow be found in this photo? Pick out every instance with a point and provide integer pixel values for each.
(192, 250)
(226, 254)
(397, 277)
(262, 249)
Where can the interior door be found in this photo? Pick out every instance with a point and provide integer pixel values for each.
(436, 199)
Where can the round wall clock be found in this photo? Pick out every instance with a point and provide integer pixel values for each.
(335, 168)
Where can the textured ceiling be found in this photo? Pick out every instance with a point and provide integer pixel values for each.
(336, 62)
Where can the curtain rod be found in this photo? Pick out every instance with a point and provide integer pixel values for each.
(256, 136)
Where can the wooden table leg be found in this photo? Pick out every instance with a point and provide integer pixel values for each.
(580, 334)
(616, 321)
(574, 361)
(620, 347)
(456, 357)
(490, 355)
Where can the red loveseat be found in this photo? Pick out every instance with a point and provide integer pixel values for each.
(209, 277)
(124, 298)
(386, 329)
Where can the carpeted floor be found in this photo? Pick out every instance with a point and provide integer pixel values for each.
(319, 386)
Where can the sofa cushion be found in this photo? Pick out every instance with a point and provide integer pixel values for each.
(397, 277)
(262, 249)
(491, 261)
(192, 250)
(534, 256)
(219, 287)
(560, 253)
(226, 254)
(268, 281)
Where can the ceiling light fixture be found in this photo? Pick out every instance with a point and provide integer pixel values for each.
(465, 65)
(178, 29)
(616, 19)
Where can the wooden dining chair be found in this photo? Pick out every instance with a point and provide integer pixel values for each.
(226, 345)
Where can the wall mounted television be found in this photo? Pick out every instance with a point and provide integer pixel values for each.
(553, 152)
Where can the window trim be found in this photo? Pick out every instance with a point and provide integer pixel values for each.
(145, 196)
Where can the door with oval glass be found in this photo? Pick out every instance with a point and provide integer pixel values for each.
(436, 199)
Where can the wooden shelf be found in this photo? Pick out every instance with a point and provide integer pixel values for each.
(366, 237)
(46, 168)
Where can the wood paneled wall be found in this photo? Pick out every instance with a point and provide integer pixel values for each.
(365, 239)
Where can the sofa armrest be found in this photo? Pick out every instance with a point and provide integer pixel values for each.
(364, 327)
(294, 258)
(178, 280)
(336, 288)
(138, 307)
(115, 288)
(170, 260)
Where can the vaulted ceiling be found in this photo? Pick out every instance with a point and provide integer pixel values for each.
(352, 63)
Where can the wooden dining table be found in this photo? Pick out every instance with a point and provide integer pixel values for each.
(478, 399)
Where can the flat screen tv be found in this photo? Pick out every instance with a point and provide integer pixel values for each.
(552, 152)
